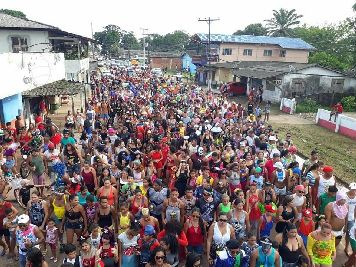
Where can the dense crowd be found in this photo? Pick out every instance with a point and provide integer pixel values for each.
(154, 172)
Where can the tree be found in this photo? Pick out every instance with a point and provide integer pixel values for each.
(282, 22)
(327, 60)
(176, 41)
(110, 39)
(129, 41)
(14, 13)
(256, 29)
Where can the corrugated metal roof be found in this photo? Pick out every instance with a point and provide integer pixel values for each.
(61, 87)
(284, 42)
(7, 21)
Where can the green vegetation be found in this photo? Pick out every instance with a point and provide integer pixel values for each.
(309, 106)
(334, 149)
(282, 22)
(349, 103)
(256, 29)
(14, 13)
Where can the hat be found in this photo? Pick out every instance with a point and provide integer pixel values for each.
(353, 186)
(270, 208)
(278, 165)
(272, 138)
(296, 170)
(50, 146)
(111, 131)
(328, 169)
(300, 187)
(22, 219)
(258, 170)
(332, 189)
(276, 155)
(268, 183)
(208, 191)
(292, 149)
(145, 211)
(307, 213)
(242, 144)
(233, 244)
(341, 196)
(320, 217)
(149, 230)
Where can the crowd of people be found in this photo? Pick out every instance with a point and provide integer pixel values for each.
(158, 173)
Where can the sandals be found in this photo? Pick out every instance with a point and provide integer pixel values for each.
(3, 252)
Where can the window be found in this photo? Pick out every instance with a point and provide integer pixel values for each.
(282, 53)
(227, 52)
(19, 44)
(267, 53)
(247, 52)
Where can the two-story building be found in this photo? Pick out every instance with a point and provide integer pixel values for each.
(34, 55)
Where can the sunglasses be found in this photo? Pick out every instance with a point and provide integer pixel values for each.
(196, 216)
(160, 257)
(222, 220)
(22, 224)
(301, 192)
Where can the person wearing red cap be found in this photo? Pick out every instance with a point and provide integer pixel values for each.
(265, 223)
(325, 180)
(51, 156)
(299, 200)
(306, 225)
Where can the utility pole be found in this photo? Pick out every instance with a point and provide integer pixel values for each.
(144, 46)
(92, 37)
(209, 20)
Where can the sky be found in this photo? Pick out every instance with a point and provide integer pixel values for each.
(164, 16)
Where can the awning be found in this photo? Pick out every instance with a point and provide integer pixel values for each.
(61, 87)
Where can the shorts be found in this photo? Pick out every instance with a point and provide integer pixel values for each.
(74, 225)
(53, 246)
(56, 220)
(280, 191)
(105, 116)
(38, 179)
(196, 249)
(338, 234)
(4, 232)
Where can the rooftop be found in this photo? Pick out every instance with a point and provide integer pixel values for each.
(7, 21)
(283, 42)
(61, 87)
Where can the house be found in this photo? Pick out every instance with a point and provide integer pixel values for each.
(32, 55)
(290, 80)
(166, 60)
(229, 48)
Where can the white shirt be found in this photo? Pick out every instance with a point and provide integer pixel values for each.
(126, 243)
(52, 156)
(352, 204)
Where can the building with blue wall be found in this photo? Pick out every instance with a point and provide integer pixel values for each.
(10, 107)
(187, 63)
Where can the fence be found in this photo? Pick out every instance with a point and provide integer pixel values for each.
(288, 105)
(343, 125)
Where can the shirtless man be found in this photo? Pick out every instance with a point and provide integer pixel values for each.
(280, 181)
(336, 215)
(147, 219)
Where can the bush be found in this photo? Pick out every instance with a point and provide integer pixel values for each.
(308, 106)
(349, 103)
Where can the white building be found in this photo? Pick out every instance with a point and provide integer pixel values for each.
(33, 55)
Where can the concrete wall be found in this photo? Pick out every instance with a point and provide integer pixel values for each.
(26, 71)
(34, 38)
(77, 70)
(288, 105)
(166, 62)
(292, 55)
(223, 75)
(343, 125)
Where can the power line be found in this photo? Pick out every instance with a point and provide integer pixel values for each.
(209, 20)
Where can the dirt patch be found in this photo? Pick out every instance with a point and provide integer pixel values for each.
(335, 150)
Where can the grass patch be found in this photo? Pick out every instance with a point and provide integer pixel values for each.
(309, 106)
(335, 150)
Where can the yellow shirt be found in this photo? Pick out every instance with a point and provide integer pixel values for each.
(321, 251)
(199, 180)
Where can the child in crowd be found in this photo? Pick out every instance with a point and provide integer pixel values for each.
(10, 223)
(265, 224)
(306, 225)
(95, 236)
(71, 255)
(52, 238)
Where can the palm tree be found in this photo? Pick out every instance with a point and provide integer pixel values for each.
(354, 7)
(282, 22)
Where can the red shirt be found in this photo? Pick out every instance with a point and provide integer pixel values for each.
(269, 166)
(182, 238)
(304, 228)
(339, 108)
(195, 236)
(3, 207)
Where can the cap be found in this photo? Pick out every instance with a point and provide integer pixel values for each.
(258, 170)
(353, 186)
(328, 169)
(332, 189)
(111, 131)
(307, 213)
(278, 165)
(270, 208)
(23, 219)
(292, 149)
(272, 138)
(300, 187)
(149, 230)
(50, 146)
(268, 183)
(208, 191)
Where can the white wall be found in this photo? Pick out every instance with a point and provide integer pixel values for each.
(273, 96)
(33, 38)
(26, 71)
(76, 69)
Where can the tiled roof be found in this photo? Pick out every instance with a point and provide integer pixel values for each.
(61, 87)
(284, 42)
(7, 21)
